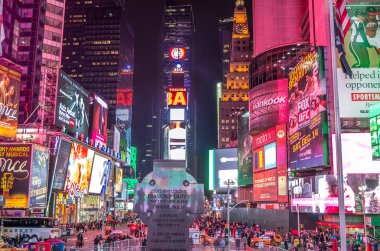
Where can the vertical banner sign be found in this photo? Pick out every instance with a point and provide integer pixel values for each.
(72, 109)
(374, 125)
(99, 121)
(61, 164)
(362, 46)
(307, 114)
(124, 121)
(15, 161)
(38, 183)
(9, 99)
(244, 151)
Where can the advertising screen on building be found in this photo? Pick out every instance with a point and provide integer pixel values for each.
(99, 175)
(177, 97)
(79, 170)
(72, 109)
(111, 181)
(268, 105)
(319, 194)
(177, 114)
(61, 163)
(9, 98)
(307, 114)
(99, 121)
(270, 165)
(226, 167)
(265, 186)
(116, 139)
(15, 174)
(119, 180)
(356, 95)
(356, 154)
(177, 53)
(177, 140)
(244, 151)
(374, 128)
(124, 123)
(38, 183)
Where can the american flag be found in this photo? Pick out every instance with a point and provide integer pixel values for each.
(342, 19)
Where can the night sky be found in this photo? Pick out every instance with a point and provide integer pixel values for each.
(147, 22)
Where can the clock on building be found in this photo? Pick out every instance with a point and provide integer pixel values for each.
(240, 28)
(177, 53)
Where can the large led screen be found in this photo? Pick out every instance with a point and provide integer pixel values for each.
(358, 93)
(374, 124)
(99, 121)
(177, 141)
(39, 179)
(99, 175)
(307, 114)
(226, 161)
(265, 186)
(15, 173)
(268, 105)
(356, 153)
(119, 180)
(61, 163)
(244, 151)
(319, 194)
(9, 99)
(72, 109)
(79, 170)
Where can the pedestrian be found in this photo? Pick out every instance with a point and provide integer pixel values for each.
(244, 241)
(237, 243)
(217, 243)
(222, 244)
(376, 246)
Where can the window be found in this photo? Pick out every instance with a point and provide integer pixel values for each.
(52, 36)
(26, 13)
(54, 9)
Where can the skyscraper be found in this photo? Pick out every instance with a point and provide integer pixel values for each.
(32, 38)
(234, 98)
(176, 135)
(98, 50)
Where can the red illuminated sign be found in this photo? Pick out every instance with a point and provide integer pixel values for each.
(265, 186)
(177, 53)
(177, 97)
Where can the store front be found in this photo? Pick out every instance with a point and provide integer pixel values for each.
(66, 208)
(90, 208)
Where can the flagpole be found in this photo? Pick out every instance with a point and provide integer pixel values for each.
(338, 138)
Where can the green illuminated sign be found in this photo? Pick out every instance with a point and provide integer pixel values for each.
(374, 127)
(133, 157)
(211, 169)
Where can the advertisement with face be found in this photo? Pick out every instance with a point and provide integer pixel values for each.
(38, 183)
(226, 167)
(362, 46)
(124, 122)
(9, 100)
(244, 151)
(99, 175)
(99, 121)
(268, 105)
(319, 194)
(79, 170)
(111, 181)
(307, 109)
(265, 186)
(15, 173)
(374, 128)
(72, 109)
(61, 164)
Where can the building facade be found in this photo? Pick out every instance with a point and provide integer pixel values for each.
(234, 96)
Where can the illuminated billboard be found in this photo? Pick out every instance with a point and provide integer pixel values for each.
(61, 163)
(270, 165)
(307, 114)
(177, 53)
(268, 105)
(72, 109)
(9, 100)
(176, 97)
(177, 114)
(358, 93)
(39, 177)
(356, 154)
(226, 167)
(15, 174)
(374, 128)
(119, 180)
(177, 140)
(99, 121)
(99, 176)
(244, 151)
(124, 97)
(79, 170)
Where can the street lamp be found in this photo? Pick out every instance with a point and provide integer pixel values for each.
(229, 182)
